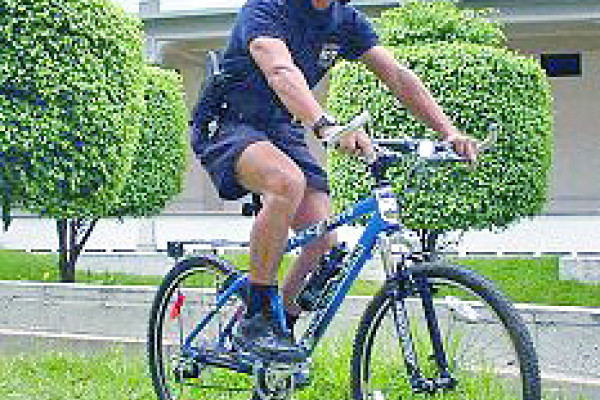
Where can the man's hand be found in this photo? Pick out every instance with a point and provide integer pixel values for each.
(356, 143)
(464, 145)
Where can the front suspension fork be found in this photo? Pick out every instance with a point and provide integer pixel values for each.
(401, 291)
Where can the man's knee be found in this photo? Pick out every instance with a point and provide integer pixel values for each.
(285, 185)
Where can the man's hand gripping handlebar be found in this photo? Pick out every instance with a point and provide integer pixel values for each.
(426, 149)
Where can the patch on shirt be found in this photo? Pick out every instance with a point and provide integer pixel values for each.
(329, 53)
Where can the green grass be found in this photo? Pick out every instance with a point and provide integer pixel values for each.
(69, 376)
(22, 266)
(536, 281)
(118, 375)
(523, 280)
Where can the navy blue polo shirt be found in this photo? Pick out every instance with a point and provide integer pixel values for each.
(314, 38)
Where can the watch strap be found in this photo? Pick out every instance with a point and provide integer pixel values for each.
(324, 121)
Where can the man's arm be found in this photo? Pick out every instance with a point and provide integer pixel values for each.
(412, 92)
(409, 89)
(285, 78)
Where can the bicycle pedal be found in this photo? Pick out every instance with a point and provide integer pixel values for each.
(187, 371)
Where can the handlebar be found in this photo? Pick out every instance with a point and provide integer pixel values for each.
(425, 149)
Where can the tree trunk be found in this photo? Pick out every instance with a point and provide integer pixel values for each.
(429, 243)
(69, 246)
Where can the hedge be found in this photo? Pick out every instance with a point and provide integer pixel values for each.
(160, 160)
(70, 100)
(476, 84)
(419, 23)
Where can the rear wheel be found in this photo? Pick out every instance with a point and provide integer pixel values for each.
(187, 294)
(487, 345)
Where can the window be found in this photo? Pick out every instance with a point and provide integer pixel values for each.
(557, 65)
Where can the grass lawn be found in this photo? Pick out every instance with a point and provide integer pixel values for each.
(23, 266)
(524, 280)
(54, 376)
(536, 281)
(118, 375)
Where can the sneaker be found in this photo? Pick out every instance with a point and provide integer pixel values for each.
(256, 335)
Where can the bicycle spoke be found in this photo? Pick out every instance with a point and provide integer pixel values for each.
(188, 367)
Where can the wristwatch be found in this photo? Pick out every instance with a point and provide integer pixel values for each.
(324, 121)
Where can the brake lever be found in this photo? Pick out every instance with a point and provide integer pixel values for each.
(489, 142)
(483, 146)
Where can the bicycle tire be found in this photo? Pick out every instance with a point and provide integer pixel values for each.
(186, 294)
(472, 309)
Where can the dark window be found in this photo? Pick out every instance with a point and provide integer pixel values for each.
(561, 64)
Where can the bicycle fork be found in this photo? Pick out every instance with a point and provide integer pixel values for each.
(418, 382)
(401, 291)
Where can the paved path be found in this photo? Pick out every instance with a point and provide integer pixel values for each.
(544, 234)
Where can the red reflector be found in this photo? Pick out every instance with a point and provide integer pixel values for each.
(176, 308)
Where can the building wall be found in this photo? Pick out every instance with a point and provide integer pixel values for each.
(574, 183)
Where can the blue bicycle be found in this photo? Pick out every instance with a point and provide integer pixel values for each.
(433, 330)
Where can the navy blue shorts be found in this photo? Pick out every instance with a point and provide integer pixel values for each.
(219, 154)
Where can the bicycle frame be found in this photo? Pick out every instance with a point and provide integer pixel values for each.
(360, 254)
(384, 211)
(381, 221)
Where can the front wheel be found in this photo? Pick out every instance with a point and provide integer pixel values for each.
(486, 343)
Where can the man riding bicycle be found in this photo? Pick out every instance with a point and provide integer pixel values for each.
(277, 52)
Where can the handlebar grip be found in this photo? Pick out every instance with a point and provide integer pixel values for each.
(337, 133)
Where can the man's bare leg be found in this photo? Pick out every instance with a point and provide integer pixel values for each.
(315, 207)
(264, 169)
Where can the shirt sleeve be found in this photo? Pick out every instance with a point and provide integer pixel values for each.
(358, 35)
(262, 19)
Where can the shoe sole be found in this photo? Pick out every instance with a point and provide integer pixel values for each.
(267, 355)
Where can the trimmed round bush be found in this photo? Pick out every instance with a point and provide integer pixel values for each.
(476, 85)
(70, 99)
(421, 23)
(157, 172)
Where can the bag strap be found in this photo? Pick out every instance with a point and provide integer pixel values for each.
(213, 63)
